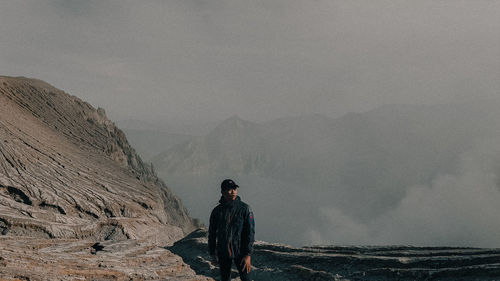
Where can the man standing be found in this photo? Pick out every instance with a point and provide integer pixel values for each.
(231, 232)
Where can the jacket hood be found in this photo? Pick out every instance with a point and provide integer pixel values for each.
(224, 202)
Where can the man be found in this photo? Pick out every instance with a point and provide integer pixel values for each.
(231, 232)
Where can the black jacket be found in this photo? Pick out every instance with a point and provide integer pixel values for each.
(232, 226)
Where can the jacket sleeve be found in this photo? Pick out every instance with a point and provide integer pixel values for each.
(212, 232)
(248, 234)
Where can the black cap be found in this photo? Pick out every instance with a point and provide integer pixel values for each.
(228, 184)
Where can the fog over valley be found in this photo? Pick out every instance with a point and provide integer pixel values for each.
(399, 174)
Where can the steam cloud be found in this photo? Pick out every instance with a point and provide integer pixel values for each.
(455, 210)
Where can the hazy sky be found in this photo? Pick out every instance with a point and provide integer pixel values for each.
(260, 59)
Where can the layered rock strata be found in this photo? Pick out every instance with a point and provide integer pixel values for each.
(67, 172)
(26, 258)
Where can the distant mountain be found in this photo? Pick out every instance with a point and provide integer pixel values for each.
(233, 146)
(362, 164)
(66, 171)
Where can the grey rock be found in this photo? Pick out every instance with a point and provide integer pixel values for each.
(281, 262)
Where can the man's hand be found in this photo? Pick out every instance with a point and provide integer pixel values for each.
(214, 259)
(245, 264)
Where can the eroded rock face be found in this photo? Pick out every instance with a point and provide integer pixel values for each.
(280, 262)
(76, 201)
(67, 172)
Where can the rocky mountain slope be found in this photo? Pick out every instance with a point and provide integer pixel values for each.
(68, 173)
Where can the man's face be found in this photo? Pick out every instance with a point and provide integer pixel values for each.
(230, 194)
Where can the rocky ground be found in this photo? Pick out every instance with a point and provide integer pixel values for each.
(280, 262)
(25, 258)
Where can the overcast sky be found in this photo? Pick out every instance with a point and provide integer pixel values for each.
(260, 59)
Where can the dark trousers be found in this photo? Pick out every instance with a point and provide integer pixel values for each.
(225, 265)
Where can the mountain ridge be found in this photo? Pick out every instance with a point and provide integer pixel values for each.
(376, 159)
(73, 144)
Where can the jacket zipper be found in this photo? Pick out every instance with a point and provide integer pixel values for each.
(229, 240)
